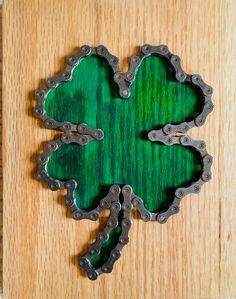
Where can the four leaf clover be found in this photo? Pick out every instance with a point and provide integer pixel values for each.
(124, 142)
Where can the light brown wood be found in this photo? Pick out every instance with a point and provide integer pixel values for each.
(191, 256)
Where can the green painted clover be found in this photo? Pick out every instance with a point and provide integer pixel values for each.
(124, 144)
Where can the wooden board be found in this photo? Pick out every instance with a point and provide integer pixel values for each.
(193, 254)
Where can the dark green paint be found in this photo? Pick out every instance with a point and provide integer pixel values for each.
(124, 156)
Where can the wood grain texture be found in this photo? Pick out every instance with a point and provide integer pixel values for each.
(191, 256)
(125, 155)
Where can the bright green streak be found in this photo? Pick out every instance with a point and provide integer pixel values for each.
(124, 156)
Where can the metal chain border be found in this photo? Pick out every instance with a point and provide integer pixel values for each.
(124, 82)
(111, 200)
(84, 134)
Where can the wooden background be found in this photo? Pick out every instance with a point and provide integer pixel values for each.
(191, 256)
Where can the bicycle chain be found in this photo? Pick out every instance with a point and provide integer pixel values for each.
(124, 82)
(112, 222)
(82, 134)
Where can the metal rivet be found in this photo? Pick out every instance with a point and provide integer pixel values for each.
(161, 218)
(123, 241)
(52, 145)
(83, 139)
(129, 76)
(54, 186)
(175, 58)
(115, 189)
(105, 269)
(49, 123)
(65, 137)
(81, 128)
(92, 276)
(72, 59)
(115, 206)
(185, 139)
(179, 193)
(40, 175)
(111, 223)
(77, 215)
(127, 189)
(209, 159)
(210, 106)
(66, 126)
(81, 263)
(92, 251)
(93, 216)
(117, 76)
(102, 236)
(174, 209)
(39, 94)
(70, 185)
(115, 254)
(99, 134)
(125, 92)
(38, 111)
(68, 201)
(202, 145)
(196, 188)
(136, 202)
(41, 159)
(84, 49)
(114, 60)
(101, 49)
(126, 223)
(153, 135)
(135, 60)
(127, 207)
(168, 129)
(207, 176)
(146, 217)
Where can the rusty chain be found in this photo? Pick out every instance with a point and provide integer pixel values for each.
(82, 134)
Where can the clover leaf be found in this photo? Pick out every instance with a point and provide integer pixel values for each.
(125, 156)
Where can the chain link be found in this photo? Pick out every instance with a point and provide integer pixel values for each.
(82, 134)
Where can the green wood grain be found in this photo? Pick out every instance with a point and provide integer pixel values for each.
(124, 156)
